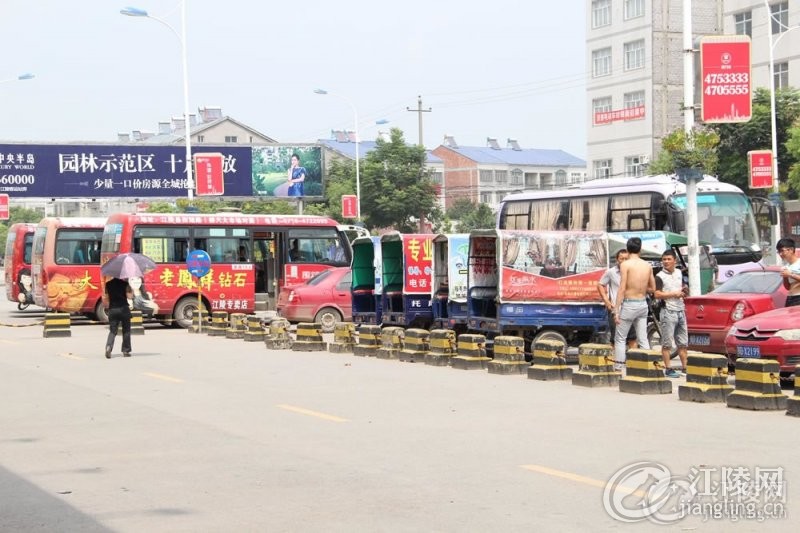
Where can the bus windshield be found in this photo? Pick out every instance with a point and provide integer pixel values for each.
(725, 220)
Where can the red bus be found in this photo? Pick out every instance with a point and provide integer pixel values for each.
(254, 257)
(19, 247)
(66, 265)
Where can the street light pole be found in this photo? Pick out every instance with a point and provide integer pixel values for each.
(358, 163)
(136, 12)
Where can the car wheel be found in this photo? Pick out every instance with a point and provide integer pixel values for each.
(184, 311)
(328, 317)
(100, 312)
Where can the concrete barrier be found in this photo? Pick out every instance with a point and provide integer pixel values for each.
(415, 345)
(254, 331)
(236, 326)
(549, 362)
(278, 337)
(471, 353)
(392, 338)
(219, 324)
(644, 373)
(706, 379)
(443, 347)
(344, 338)
(509, 356)
(309, 338)
(595, 366)
(793, 403)
(758, 386)
(56, 325)
(200, 322)
(369, 336)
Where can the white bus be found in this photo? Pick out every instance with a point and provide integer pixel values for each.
(649, 203)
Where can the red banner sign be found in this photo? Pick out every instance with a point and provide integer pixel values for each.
(760, 164)
(349, 206)
(208, 174)
(629, 113)
(4, 209)
(725, 78)
(418, 254)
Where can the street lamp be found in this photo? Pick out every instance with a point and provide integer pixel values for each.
(358, 175)
(776, 228)
(136, 12)
(21, 77)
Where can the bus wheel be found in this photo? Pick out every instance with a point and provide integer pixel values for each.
(100, 313)
(550, 335)
(184, 311)
(328, 317)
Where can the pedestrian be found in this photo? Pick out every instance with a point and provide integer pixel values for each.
(115, 300)
(791, 270)
(674, 332)
(608, 286)
(636, 281)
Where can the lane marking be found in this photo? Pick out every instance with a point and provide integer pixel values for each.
(580, 479)
(162, 377)
(309, 412)
(68, 355)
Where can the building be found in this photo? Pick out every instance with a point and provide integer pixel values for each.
(635, 69)
(487, 173)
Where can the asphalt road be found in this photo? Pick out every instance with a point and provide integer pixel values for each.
(197, 433)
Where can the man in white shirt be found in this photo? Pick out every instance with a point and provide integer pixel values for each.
(674, 332)
(791, 270)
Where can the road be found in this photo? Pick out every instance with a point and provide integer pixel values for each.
(197, 433)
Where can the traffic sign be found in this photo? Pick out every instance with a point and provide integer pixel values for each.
(4, 209)
(198, 263)
(725, 81)
(208, 174)
(760, 164)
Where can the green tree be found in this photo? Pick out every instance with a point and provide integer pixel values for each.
(756, 134)
(793, 153)
(696, 150)
(395, 185)
(471, 216)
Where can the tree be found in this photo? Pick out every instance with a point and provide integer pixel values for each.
(395, 185)
(696, 150)
(471, 216)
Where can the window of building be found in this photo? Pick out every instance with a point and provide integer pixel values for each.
(600, 105)
(516, 177)
(486, 197)
(601, 62)
(634, 54)
(602, 168)
(634, 99)
(201, 138)
(231, 139)
(634, 8)
(501, 176)
(743, 22)
(561, 178)
(601, 13)
(487, 176)
(634, 165)
(780, 17)
(781, 71)
(436, 177)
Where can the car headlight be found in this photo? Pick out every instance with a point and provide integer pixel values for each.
(788, 334)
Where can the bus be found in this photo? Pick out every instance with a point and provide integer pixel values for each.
(726, 218)
(65, 265)
(254, 258)
(17, 267)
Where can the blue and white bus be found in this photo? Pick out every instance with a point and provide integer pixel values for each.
(726, 218)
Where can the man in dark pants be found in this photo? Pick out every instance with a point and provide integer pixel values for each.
(116, 301)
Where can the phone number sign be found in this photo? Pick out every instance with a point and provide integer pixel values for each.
(726, 83)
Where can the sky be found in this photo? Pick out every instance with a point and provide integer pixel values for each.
(501, 69)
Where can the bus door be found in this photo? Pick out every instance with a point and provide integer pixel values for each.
(267, 263)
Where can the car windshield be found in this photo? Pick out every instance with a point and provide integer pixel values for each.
(319, 277)
(765, 282)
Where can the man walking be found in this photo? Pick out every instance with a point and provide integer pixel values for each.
(115, 300)
(674, 332)
(608, 286)
(636, 280)
(791, 270)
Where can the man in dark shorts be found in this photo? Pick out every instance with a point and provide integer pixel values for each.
(115, 300)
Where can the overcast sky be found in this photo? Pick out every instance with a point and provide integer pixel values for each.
(499, 69)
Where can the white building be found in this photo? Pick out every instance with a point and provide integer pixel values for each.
(635, 69)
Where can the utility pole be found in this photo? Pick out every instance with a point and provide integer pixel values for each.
(419, 112)
(692, 179)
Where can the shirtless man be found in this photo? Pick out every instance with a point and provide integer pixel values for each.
(636, 280)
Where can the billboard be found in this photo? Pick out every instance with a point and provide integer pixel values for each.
(287, 171)
(154, 171)
(208, 174)
(760, 164)
(726, 84)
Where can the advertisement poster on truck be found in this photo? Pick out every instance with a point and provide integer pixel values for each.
(418, 262)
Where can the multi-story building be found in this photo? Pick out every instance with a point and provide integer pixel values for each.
(635, 69)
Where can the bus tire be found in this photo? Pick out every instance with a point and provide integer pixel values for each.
(328, 317)
(183, 312)
(100, 313)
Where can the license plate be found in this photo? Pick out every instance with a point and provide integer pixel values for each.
(753, 352)
(700, 340)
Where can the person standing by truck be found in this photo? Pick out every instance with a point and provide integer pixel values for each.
(636, 281)
(608, 287)
(674, 332)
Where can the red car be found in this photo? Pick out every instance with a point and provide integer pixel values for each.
(325, 299)
(771, 335)
(709, 317)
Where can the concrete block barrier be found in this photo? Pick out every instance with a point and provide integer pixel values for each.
(793, 403)
(219, 324)
(758, 386)
(706, 379)
(443, 347)
(278, 337)
(644, 373)
(392, 338)
(309, 338)
(344, 338)
(549, 363)
(595, 366)
(509, 356)
(200, 322)
(471, 353)
(254, 331)
(415, 345)
(236, 326)
(56, 325)
(369, 340)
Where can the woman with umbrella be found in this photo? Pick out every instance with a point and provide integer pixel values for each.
(116, 294)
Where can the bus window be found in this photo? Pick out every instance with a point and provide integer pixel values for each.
(77, 246)
(28, 250)
(630, 212)
(317, 246)
(221, 244)
(162, 244)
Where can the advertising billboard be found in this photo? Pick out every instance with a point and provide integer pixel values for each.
(760, 163)
(726, 84)
(287, 171)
